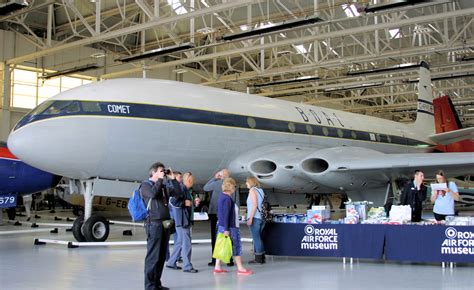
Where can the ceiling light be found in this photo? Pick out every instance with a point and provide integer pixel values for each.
(157, 52)
(98, 54)
(404, 66)
(287, 81)
(180, 70)
(361, 86)
(71, 71)
(270, 27)
(402, 3)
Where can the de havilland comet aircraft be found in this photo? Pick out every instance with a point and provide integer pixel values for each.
(109, 132)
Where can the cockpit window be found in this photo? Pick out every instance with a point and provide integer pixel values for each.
(38, 110)
(62, 107)
(91, 107)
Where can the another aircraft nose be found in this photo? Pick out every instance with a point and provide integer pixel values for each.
(18, 145)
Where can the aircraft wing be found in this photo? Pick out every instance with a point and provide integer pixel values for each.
(344, 168)
(453, 136)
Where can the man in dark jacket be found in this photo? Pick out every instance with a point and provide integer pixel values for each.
(155, 194)
(413, 194)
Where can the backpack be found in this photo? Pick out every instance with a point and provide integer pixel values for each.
(136, 206)
(266, 211)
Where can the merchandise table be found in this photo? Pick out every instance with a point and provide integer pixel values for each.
(417, 243)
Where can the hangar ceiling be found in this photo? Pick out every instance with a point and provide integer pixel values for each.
(351, 55)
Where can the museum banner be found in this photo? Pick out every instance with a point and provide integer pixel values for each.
(324, 240)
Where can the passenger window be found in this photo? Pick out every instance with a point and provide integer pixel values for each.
(325, 131)
(292, 127)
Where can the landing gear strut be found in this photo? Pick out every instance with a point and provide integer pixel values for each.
(89, 228)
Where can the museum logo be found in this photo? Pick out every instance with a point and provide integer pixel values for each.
(457, 242)
(319, 239)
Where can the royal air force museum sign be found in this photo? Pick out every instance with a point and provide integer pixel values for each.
(397, 242)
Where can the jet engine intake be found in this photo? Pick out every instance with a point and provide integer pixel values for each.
(263, 168)
(333, 167)
(315, 165)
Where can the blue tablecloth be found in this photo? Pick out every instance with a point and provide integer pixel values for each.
(324, 240)
(398, 242)
(430, 243)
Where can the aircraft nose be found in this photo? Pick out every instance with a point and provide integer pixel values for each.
(18, 145)
(47, 146)
(30, 146)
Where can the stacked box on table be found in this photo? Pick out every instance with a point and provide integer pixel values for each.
(360, 208)
(352, 215)
(318, 214)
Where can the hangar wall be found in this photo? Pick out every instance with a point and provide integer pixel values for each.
(14, 45)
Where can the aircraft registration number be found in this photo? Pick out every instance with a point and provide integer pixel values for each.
(8, 200)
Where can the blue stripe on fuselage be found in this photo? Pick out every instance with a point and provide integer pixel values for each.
(147, 111)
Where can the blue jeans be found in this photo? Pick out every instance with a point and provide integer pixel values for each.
(182, 248)
(235, 238)
(256, 229)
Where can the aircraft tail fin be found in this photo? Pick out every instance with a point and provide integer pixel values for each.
(424, 113)
(447, 120)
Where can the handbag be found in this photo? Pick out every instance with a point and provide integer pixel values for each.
(169, 225)
(223, 248)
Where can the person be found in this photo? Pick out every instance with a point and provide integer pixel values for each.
(228, 224)
(214, 185)
(179, 178)
(27, 200)
(183, 215)
(413, 194)
(155, 192)
(444, 199)
(254, 218)
(50, 198)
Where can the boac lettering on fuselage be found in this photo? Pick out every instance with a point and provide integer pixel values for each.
(311, 115)
(118, 109)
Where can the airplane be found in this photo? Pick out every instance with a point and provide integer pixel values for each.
(447, 120)
(105, 135)
(465, 186)
(18, 178)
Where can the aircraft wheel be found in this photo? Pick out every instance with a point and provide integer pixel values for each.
(77, 229)
(78, 211)
(96, 229)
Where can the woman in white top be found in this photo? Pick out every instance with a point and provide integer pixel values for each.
(444, 199)
(254, 218)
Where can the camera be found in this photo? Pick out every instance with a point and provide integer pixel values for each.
(167, 171)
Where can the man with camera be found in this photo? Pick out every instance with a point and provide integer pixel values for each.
(156, 192)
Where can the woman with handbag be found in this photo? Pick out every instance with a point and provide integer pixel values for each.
(228, 225)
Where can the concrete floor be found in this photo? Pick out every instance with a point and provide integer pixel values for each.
(24, 265)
